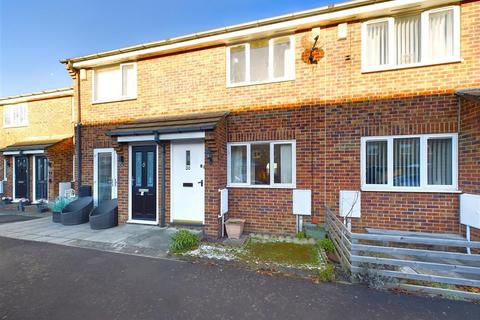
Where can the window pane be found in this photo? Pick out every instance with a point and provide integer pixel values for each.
(281, 58)
(441, 34)
(440, 161)
(407, 31)
(259, 61)
(106, 83)
(260, 164)
(406, 162)
(376, 162)
(150, 174)
(237, 64)
(238, 169)
(282, 166)
(377, 44)
(138, 169)
(128, 80)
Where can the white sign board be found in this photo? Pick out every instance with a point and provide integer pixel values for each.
(470, 210)
(350, 204)
(302, 202)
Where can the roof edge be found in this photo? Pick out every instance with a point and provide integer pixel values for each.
(39, 95)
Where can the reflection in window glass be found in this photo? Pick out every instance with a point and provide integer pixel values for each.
(440, 161)
(376, 162)
(237, 64)
(260, 166)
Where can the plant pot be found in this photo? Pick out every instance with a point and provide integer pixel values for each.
(56, 216)
(234, 228)
(41, 208)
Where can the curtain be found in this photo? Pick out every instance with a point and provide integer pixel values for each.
(282, 154)
(238, 168)
(376, 162)
(106, 83)
(128, 81)
(441, 34)
(440, 161)
(406, 162)
(259, 61)
(237, 64)
(281, 58)
(377, 44)
(407, 31)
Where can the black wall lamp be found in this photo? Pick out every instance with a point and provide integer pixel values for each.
(209, 155)
(121, 159)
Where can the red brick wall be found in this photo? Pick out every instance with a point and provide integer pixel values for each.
(326, 109)
(469, 151)
(60, 157)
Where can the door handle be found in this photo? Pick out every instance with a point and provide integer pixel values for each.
(201, 182)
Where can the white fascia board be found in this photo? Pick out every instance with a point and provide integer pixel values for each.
(307, 22)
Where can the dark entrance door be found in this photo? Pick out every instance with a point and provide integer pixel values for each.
(21, 177)
(144, 189)
(41, 178)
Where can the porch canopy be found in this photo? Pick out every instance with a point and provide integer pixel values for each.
(469, 94)
(30, 147)
(162, 128)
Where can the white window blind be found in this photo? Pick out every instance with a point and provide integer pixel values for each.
(407, 32)
(411, 40)
(238, 165)
(441, 34)
(115, 83)
(15, 115)
(426, 162)
(377, 43)
(259, 61)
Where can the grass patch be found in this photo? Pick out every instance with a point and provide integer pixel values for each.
(327, 274)
(183, 241)
(281, 253)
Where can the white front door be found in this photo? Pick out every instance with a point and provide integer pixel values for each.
(187, 181)
(104, 175)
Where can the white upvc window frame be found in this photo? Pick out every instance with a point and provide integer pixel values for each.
(121, 96)
(7, 108)
(289, 70)
(272, 184)
(424, 186)
(5, 172)
(424, 36)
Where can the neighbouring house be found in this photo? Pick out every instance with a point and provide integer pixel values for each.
(371, 96)
(36, 144)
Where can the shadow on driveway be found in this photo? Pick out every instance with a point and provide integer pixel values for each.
(6, 218)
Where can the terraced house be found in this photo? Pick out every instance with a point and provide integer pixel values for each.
(366, 105)
(36, 144)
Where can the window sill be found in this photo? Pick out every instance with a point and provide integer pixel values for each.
(246, 84)
(114, 100)
(262, 186)
(413, 65)
(149, 222)
(13, 127)
(410, 190)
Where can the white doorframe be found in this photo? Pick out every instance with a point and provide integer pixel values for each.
(130, 163)
(34, 179)
(95, 172)
(13, 179)
(172, 150)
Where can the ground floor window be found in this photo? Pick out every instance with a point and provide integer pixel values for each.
(409, 163)
(266, 163)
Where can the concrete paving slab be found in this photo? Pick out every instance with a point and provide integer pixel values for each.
(145, 240)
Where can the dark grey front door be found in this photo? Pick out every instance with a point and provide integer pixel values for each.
(41, 178)
(21, 177)
(144, 189)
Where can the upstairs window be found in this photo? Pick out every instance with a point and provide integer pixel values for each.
(261, 164)
(417, 39)
(15, 115)
(409, 163)
(261, 61)
(115, 83)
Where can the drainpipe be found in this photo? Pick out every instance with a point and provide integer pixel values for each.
(78, 135)
(163, 148)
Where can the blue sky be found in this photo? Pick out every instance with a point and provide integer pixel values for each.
(35, 35)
